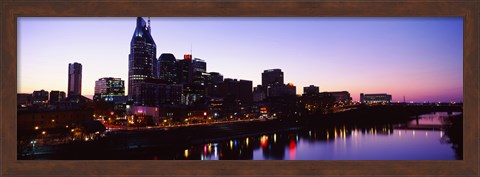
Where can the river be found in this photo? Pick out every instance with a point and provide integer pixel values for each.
(423, 138)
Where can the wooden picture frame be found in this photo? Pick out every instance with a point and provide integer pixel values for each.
(10, 10)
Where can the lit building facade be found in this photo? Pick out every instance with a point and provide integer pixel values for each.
(375, 98)
(199, 75)
(142, 60)
(109, 89)
(40, 97)
(74, 79)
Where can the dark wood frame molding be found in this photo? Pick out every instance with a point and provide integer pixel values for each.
(10, 10)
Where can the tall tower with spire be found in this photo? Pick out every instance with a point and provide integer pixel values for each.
(142, 60)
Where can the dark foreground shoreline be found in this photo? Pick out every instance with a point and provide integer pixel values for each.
(131, 144)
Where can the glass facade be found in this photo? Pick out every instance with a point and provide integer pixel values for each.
(142, 58)
(108, 88)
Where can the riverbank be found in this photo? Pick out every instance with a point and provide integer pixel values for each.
(120, 144)
(132, 144)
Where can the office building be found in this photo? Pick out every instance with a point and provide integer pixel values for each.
(153, 93)
(339, 97)
(375, 98)
(199, 69)
(311, 90)
(259, 93)
(40, 97)
(238, 89)
(109, 89)
(185, 69)
(272, 77)
(142, 60)
(56, 96)
(24, 99)
(74, 79)
(237, 97)
(280, 90)
(215, 77)
(167, 68)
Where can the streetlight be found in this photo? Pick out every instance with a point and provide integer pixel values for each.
(33, 146)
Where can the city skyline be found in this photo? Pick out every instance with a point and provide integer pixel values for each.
(359, 55)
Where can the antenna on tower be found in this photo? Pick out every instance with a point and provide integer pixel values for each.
(149, 29)
(191, 49)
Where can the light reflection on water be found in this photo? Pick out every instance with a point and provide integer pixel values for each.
(387, 142)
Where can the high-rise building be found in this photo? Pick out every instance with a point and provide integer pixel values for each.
(259, 93)
(272, 82)
(167, 68)
(199, 68)
(56, 96)
(375, 98)
(185, 69)
(215, 77)
(238, 89)
(74, 79)
(109, 89)
(237, 96)
(311, 90)
(272, 77)
(40, 97)
(142, 60)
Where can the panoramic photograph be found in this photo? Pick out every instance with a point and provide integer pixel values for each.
(240, 88)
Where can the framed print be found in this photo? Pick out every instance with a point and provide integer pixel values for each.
(239, 88)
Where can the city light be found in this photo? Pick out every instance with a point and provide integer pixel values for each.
(185, 153)
(239, 108)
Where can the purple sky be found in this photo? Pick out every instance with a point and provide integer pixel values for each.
(419, 58)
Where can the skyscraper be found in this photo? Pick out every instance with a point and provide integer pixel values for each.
(185, 69)
(74, 79)
(142, 60)
(199, 71)
(167, 68)
(272, 77)
(272, 82)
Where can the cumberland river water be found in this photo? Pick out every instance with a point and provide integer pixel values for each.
(423, 138)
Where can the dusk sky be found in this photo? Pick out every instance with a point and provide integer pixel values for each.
(419, 58)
